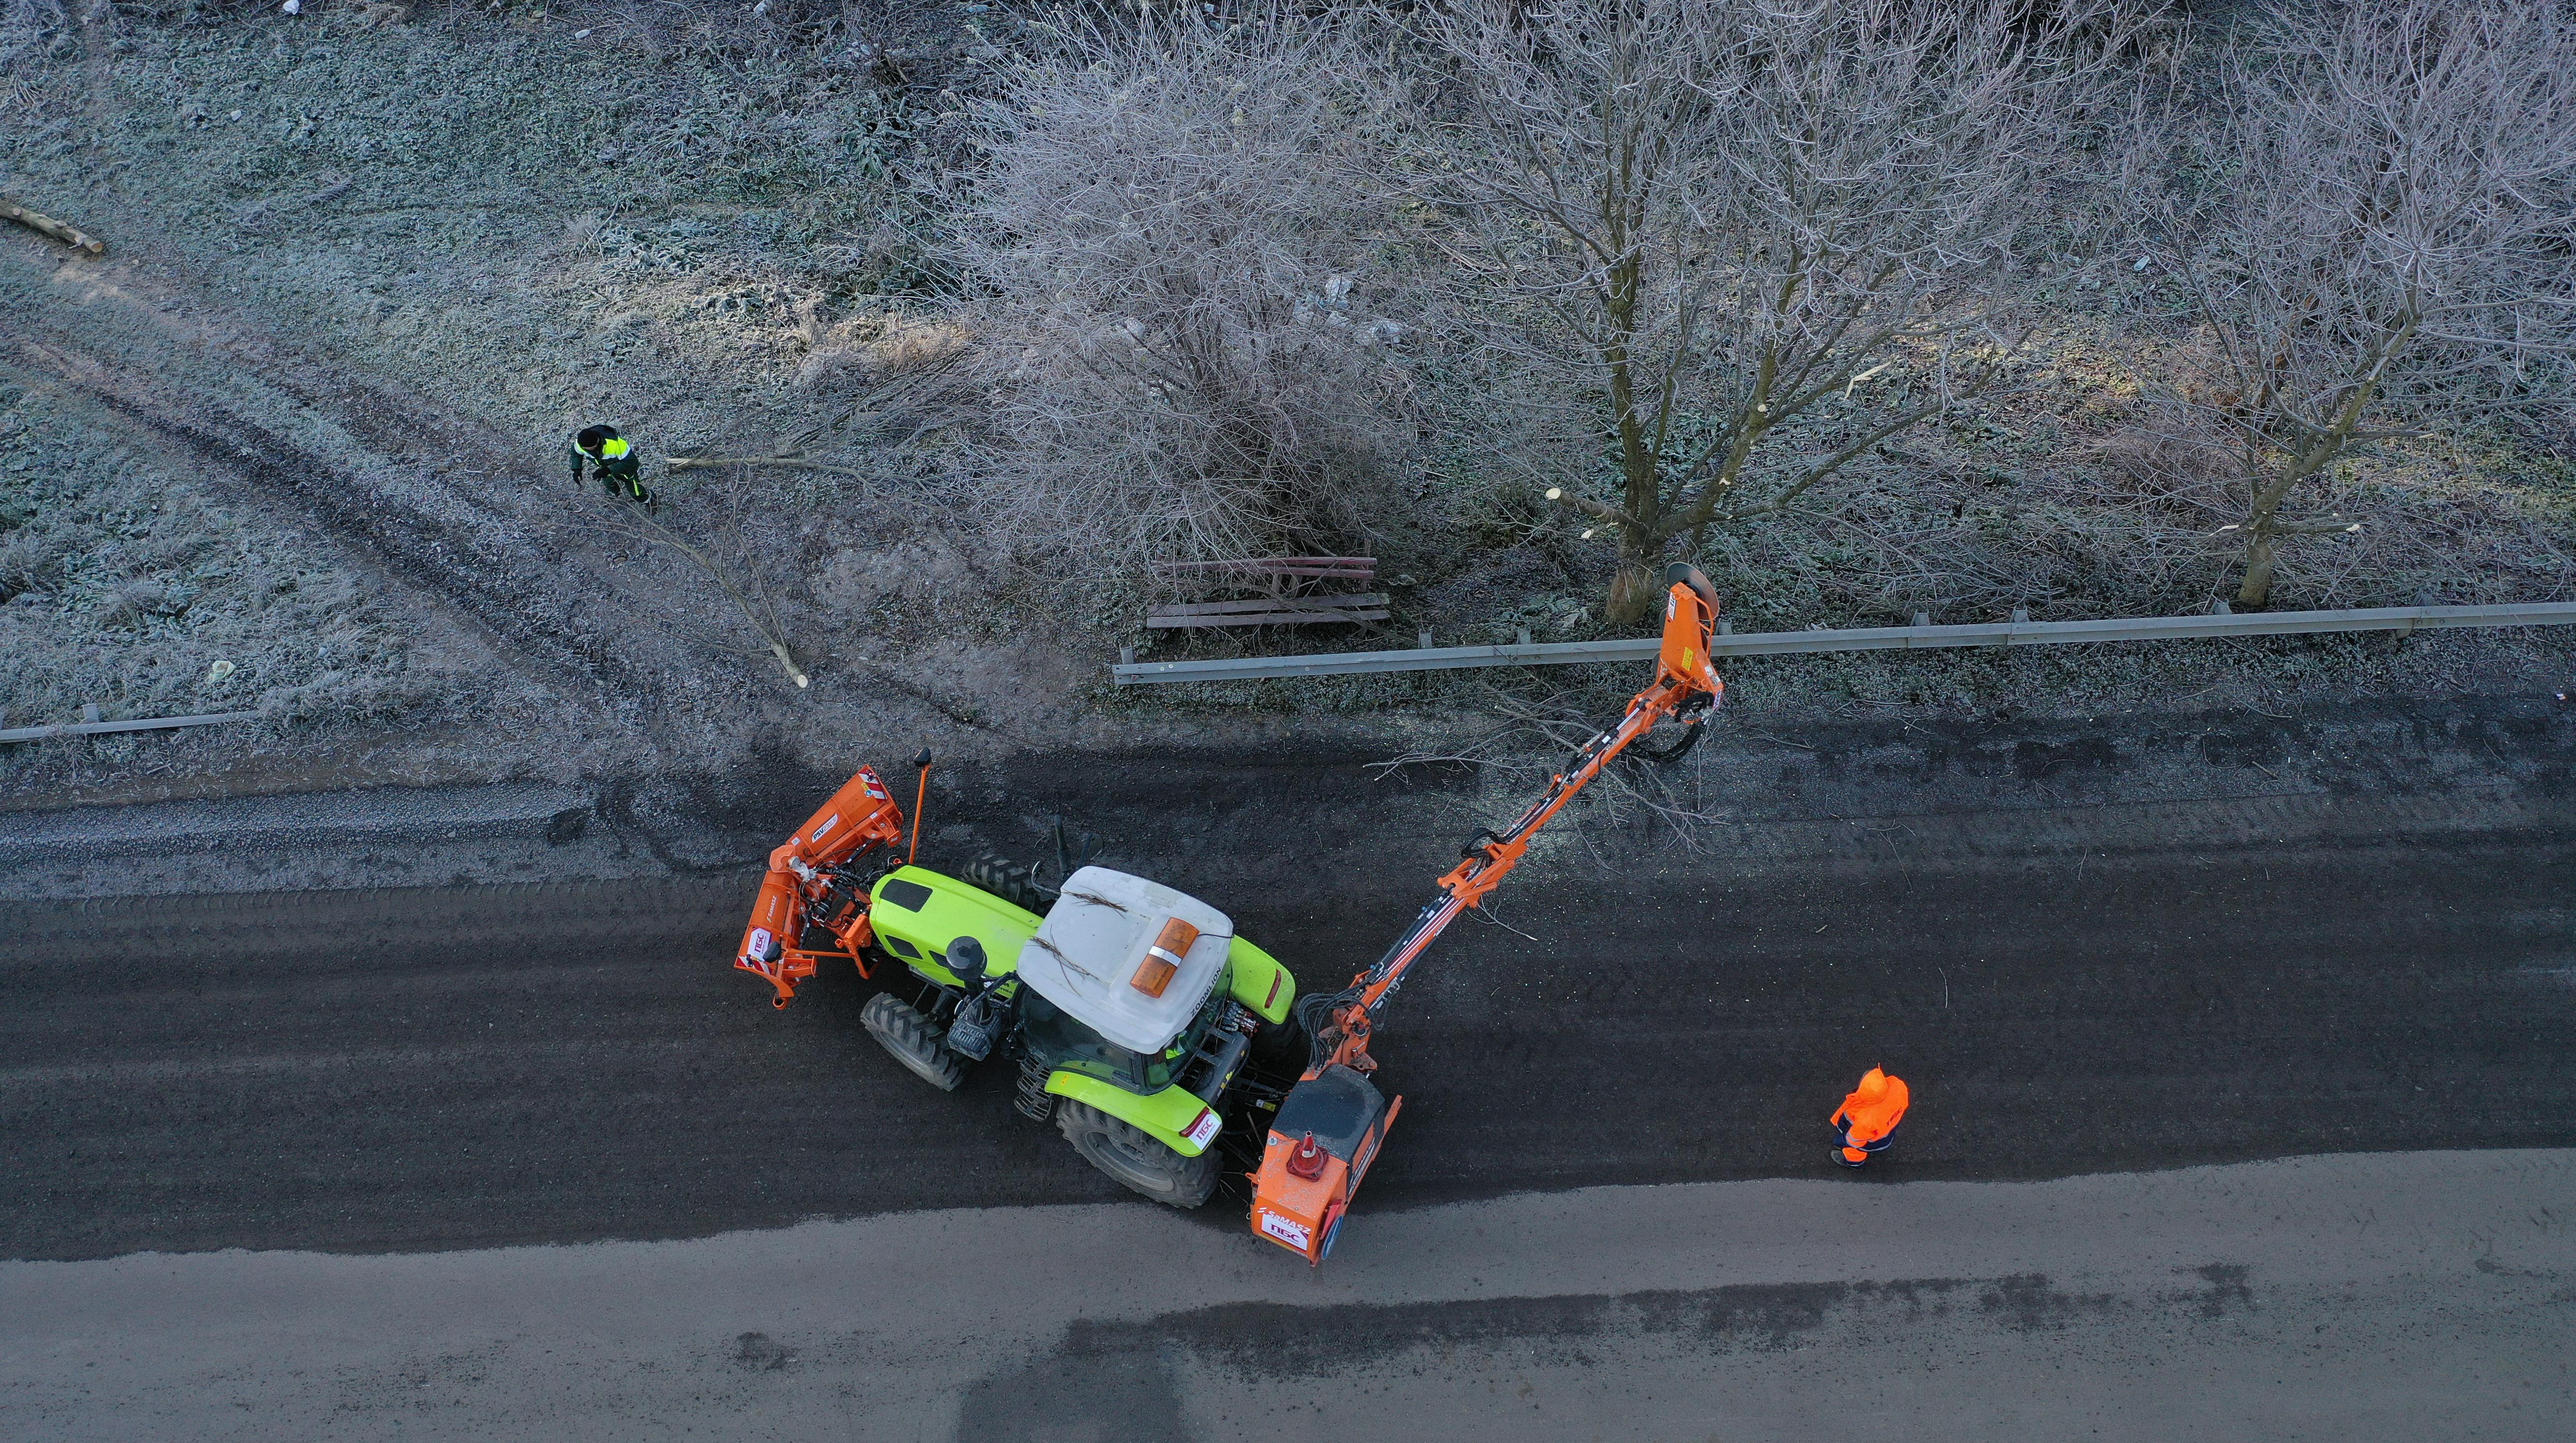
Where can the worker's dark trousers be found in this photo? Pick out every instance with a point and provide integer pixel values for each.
(623, 485)
(1842, 1138)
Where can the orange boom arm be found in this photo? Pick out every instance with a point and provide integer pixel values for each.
(811, 885)
(1331, 1126)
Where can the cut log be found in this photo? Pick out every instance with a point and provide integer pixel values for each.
(1344, 568)
(792, 463)
(1360, 601)
(1292, 611)
(1280, 617)
(72, 236)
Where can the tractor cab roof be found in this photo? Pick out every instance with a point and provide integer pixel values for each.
(1089, 957)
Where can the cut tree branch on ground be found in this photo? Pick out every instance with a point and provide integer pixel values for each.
(77, 239)
(784, 463)
(741, 584)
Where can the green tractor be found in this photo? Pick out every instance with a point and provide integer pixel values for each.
(1141, 1025)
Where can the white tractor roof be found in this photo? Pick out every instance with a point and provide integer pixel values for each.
(1084, 957)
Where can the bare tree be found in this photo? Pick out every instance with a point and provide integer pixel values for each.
(1165, 268)
(1716, 219)
(2376, 227)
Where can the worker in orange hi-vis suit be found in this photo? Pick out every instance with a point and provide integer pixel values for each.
(1867, 1119)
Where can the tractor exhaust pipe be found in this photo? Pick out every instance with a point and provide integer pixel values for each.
(920, 791)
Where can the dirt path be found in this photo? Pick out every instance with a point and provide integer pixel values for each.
(357, 460)
(2404, 1295)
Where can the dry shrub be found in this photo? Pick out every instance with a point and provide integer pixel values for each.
(2178, 477)
(869, 350)
(1165, 261)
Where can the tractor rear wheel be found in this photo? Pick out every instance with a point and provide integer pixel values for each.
(1283, 1047)
(1128, 1154)
(908, 1038)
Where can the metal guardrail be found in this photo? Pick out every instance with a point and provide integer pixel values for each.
(146, 724)
(1867, 638)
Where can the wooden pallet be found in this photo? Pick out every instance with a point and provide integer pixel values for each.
(1288, 611)
(1287, 599)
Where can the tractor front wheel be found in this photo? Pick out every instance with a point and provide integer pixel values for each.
(1128, 1154)
(908, 1037)
(1009, 881)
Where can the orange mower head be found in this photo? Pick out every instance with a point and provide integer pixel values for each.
(1321, 1144)
(1690, 613)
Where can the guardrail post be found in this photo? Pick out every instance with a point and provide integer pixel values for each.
(2021, 615)
(1922, 618)
(1422, 638)
(1126, 656)
(89, 711)
(2221, 608)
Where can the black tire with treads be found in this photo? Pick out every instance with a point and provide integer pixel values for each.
(1014, 884)
(909, 1039)
(1137, 1161)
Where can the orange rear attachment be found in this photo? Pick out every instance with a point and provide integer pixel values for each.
(1163, 960)
(1321, 1144)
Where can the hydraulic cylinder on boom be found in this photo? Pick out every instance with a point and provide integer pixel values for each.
(1332, 1123)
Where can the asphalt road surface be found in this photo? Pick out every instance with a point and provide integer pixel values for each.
(424, 1069)
(2134, 1017)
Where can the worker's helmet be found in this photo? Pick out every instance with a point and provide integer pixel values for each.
(1873, 1085)
(592, 438)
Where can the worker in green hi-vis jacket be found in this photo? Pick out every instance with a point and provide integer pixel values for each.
(613, 459)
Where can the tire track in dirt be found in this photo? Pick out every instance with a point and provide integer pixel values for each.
(477, 575)
(501, 564)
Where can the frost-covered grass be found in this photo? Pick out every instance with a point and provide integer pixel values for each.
(123, 585)
(710, 247)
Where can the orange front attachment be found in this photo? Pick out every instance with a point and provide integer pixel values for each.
(798, 893)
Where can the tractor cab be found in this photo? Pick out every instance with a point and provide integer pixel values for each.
(1130, 960)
